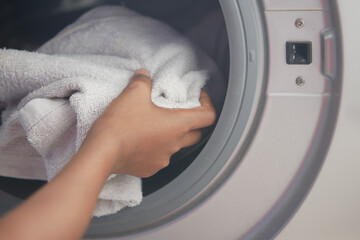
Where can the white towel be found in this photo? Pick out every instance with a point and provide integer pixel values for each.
(53, 97)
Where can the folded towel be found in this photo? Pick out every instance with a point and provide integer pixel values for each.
(53, 96)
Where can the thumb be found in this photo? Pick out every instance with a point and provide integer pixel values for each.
(141, 74)
(140, 82)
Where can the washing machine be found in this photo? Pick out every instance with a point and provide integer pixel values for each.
(281, 161)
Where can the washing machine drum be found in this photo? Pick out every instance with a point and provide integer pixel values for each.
(282, 65)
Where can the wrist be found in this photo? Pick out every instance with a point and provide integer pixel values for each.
(104, 150)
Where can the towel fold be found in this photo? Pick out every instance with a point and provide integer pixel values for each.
(53, 96)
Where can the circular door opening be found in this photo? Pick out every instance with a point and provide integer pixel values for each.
(28, 25)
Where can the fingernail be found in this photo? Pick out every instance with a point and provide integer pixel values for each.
(142, 71)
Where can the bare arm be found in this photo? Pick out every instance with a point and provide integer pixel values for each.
(133, 136)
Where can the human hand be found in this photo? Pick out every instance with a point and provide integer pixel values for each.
(133, 136)
(136, 137)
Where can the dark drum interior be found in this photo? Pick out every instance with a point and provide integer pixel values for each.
(28, 24)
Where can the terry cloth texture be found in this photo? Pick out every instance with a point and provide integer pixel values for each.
(53, 96)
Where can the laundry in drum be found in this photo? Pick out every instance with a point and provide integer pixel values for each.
(54, 94)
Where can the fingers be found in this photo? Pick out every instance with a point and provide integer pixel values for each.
(195, 118)
(141, 78)
(140, 84)
(191, 138)
(141, 73)
(202, 116)
(205, 99)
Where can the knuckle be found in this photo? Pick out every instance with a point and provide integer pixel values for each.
(151, 170)
(147, 174)
(198, 135)
(181, 131)
(183, 128)
(175, 148)
(164, 163)
(211, 115)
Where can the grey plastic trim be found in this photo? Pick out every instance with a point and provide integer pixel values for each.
(328, 55)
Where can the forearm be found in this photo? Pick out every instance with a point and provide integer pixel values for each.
(63, 208)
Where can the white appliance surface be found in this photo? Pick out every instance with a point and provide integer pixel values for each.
(332, 208)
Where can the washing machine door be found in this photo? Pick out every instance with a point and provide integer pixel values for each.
(271, 137)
